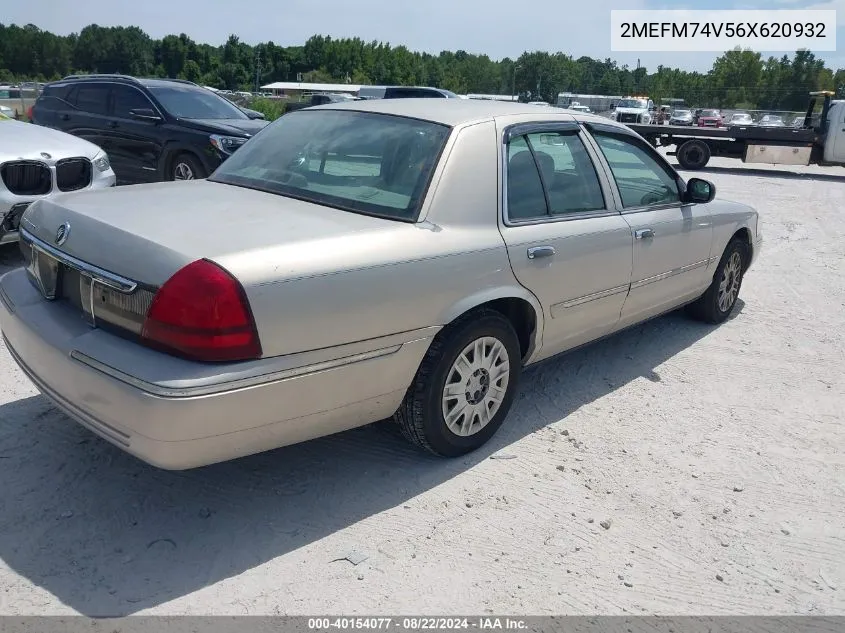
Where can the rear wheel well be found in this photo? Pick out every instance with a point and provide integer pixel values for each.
(519, 312)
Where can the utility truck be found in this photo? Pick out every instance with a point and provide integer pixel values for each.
(820, 140)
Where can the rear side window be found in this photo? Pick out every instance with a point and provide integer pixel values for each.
(526, 198)
(60, 92)
(93, 98)
(551, 173)
(568, 172)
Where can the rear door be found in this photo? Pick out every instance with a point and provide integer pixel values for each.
(566, 241)
(672, 239)
(88, 113)
(51, 105)
(134, 146)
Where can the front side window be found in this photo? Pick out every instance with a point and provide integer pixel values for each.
(369, 163)
(191, 102)
(641, 179)
(126, 99)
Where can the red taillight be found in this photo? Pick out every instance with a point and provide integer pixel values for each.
(202, 313)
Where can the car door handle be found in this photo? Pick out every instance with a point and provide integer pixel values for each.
(113, 124)
(644, 234)
(65, 117)
(535, 252)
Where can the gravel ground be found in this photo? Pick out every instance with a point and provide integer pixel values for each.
(672, 469)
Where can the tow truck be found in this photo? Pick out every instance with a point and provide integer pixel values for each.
(820, 140)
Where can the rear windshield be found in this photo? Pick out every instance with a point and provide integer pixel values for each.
(369, 163)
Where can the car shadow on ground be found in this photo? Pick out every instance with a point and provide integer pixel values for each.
(108, 535)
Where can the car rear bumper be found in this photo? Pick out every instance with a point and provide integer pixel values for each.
(194, 421)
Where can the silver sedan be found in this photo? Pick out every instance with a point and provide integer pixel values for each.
(400, 259)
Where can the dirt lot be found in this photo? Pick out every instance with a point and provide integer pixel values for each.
(713, 456)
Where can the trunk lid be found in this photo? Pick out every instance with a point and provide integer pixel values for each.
(148, 232)
(140, 235)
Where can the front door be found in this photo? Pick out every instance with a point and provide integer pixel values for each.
(672, 240)
(566, 242)
(134, 153)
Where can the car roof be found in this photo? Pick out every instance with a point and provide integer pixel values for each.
(456, 112)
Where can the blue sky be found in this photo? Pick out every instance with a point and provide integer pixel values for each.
(499, 28)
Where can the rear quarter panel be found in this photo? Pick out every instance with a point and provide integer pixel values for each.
(410, 277)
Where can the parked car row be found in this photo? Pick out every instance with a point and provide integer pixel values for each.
(710, 117)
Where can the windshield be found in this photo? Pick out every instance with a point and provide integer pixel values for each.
(189, 102)
(375, 164)
(640, 104)
(709, 113)
(680, 113)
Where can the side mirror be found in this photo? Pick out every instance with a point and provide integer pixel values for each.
(145, 114)
(254, 114)
(700, 190)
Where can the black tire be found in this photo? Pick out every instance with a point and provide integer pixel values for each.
(707, 307)
(187, 162)
(693, 154)
(420, 416)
